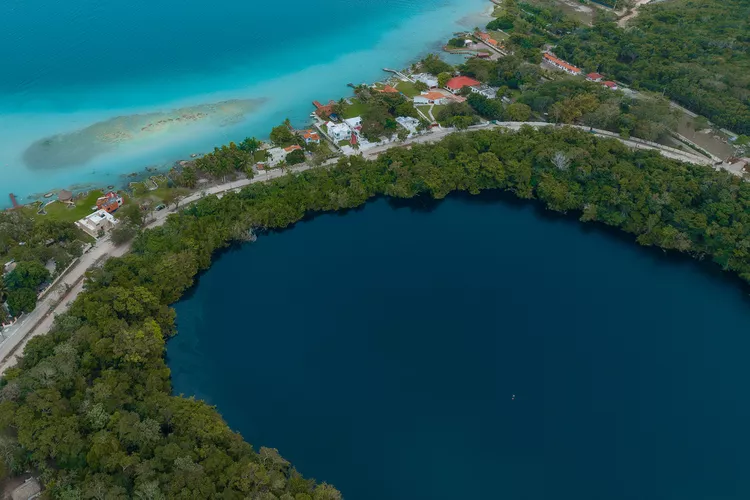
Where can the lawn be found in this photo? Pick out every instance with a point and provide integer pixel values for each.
(407, 88)
(356, 108)
(499, 35)
(83, 207)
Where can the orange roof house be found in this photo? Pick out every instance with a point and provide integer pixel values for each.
(457, 83)
(109, 202)
(311, 136)
(293, 147)
(389, 90)
(324, 111)
(559, 63)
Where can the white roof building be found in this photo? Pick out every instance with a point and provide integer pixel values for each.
(408, 123)
(339, 131)
(99, 221)
(354, 122)
(427, 79)
(277, 155)
(485, 90)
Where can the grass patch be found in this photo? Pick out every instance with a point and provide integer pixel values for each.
(356, 108)
(407, 88)
(499, 35)
(83, 207)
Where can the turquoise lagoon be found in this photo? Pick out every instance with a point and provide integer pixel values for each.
(92, 91)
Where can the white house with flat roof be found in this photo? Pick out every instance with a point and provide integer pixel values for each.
(408, 123)
(485, 90)
(427, 79)
(99, 221)
(339, 131)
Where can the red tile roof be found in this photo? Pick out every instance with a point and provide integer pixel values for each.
(433, 96)
(293, 147)
(594, 76)
(610, 84)
(460, 82)
(309, 134)
(388, 89)
(562, 63)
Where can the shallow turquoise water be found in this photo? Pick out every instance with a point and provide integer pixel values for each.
(380, 350)
(67, 66)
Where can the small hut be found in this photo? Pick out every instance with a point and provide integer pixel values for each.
(65, 196)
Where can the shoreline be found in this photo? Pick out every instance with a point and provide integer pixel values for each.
(389, 48)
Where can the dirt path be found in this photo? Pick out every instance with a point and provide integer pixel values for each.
(633, 13)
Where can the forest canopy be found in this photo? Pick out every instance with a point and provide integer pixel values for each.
(90, 403)
(697, 52)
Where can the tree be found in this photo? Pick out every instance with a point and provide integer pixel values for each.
(21, 300)
(172, 197)
(132, 213)
(295, 157)
(250, 144)
(518, 112)
(561, 161)
(282, 136)
(27, 274)
(123, 232)
(457, 43)
(421, 86)
(434, 65)
(3, 290)
(443, 78)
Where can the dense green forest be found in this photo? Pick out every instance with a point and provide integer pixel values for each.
(90, 405)
(31, 243)
(695, 51)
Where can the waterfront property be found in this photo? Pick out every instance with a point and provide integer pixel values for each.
(110, 202)
(311, 137)
(560, 64)
(98, 223)
(426, 78)
(455, 84)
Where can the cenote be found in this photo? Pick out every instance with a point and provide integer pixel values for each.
(475, 348)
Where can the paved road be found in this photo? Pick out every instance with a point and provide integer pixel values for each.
(439, 134)
(57, 300)
(67, 288)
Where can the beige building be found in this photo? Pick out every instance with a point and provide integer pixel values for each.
(96, 223)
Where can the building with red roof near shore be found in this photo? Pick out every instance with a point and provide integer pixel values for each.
(389, 90)
(563, 65)
(310, 136)
(457, 83)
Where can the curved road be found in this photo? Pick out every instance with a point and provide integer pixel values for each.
(66, 289)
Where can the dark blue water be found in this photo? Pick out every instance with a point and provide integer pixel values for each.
(380, 351)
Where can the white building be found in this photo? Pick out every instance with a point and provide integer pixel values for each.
(409, 124)
(277, 155)
(427, 79)
(99, 221)
(430, 98)
(354, 123)
(339, 131)
(485, 90)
